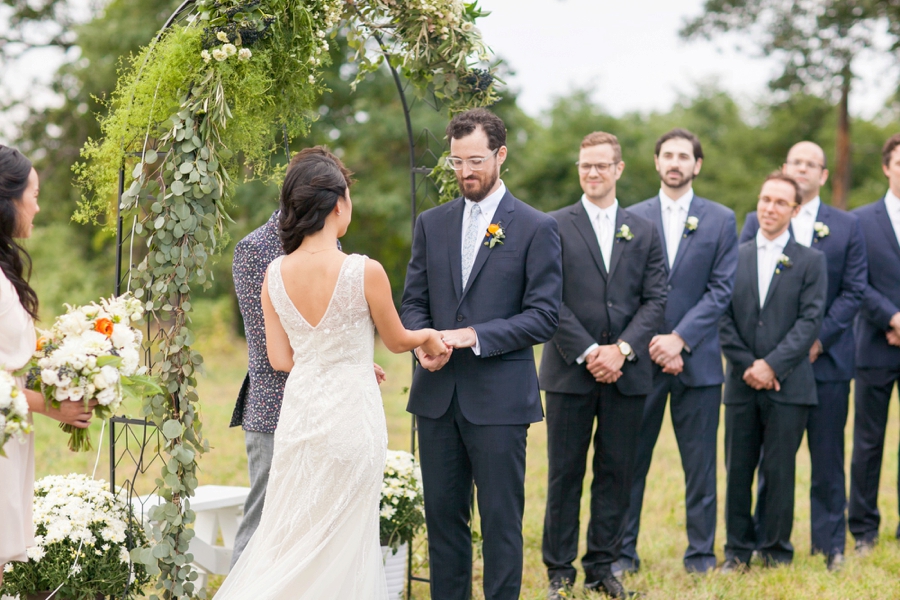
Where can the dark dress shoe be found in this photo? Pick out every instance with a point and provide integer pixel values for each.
(610, 586)
(560, 589)
(865, 547)
(733, 565)
(835, 562)
(624, 566)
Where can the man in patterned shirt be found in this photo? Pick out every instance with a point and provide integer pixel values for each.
(259, 402)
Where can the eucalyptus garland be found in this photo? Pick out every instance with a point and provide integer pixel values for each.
(232, 79)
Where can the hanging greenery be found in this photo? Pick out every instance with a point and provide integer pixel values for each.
(212, 95)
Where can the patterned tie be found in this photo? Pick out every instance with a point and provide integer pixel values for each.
(470, 243)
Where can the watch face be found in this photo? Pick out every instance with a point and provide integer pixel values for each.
(625, 348)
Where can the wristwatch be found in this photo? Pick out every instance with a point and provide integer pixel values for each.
(627, 352)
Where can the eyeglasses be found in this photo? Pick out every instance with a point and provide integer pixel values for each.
(601, 167)
(475, 164)
(779, 204)
(805, 163)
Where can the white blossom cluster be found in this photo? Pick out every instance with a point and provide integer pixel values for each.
(14, 421)
(89, 349)
(73, 510)
(225, 51)
(402, 480)
(327, 15)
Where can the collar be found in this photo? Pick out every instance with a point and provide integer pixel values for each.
(892, 202)
(489, 205)
(684, 203)
(811, 208)
(594, 211)
(778, 243)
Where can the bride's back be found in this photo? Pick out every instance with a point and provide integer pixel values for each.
(310, 281)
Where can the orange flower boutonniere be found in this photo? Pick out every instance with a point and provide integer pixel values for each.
(495, 234)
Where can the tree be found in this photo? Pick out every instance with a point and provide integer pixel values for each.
(818, 42)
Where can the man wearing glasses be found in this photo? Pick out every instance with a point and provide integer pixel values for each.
(838, 235)
(773, 320)
(598, 368)
(485, 269)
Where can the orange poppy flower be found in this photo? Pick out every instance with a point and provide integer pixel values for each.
(41, 342)
(104, 326)
(493, 228)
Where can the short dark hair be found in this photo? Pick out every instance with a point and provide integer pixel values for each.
(465, 123)
(888, 148)
(683, 134)
(598, 138)
(315, 180)
(782, 176)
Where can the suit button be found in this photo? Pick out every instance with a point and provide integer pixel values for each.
(760, 323)
(609, 303)
(459, 318)
(669, 287)
(604, 334)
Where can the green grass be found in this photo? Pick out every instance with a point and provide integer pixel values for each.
(662, 540)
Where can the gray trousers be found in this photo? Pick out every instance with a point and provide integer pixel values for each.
(260, 447)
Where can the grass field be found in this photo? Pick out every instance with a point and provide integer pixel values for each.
(662, 540)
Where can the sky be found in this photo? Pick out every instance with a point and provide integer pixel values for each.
(629, 53)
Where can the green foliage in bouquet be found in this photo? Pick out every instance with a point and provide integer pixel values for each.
(402, 503)
(206, 103)
(83, 536)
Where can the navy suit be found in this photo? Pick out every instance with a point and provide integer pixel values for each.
(473, 414)
(599, 306)
(877, 369)
(845, 256)
(699, 285)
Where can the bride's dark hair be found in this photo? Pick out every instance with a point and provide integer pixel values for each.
(315, 180)
(14, 259)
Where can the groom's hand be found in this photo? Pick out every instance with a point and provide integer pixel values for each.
(605, 363)
(432, 363)
(459, 338)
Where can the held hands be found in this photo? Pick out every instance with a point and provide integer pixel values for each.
(665, 350)
(605, 363)
(460, 338)
(816, 351)
(760, 376)
(434, 353)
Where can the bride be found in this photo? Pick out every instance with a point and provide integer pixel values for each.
(318, 536)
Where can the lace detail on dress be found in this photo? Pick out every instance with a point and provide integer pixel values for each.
(319, 532)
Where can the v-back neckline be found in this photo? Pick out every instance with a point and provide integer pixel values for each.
(330, 300)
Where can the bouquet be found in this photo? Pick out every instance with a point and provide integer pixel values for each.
(13, 411)
(82, 536)
(402, 503)
(93, 353)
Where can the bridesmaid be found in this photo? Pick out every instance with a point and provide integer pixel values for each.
(18, 310)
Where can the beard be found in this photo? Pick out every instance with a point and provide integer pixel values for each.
(485, 182)
(682, 180)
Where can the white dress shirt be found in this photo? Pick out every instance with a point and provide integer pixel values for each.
(603, 220)
(674, 215)
(488, 208)
(892, 203)
(804, 223)
(768, 253)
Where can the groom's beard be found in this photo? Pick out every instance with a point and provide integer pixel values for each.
(478, 184)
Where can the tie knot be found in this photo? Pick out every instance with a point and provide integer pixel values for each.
(476, 209)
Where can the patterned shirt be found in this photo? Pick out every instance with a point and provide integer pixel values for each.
(252, 255)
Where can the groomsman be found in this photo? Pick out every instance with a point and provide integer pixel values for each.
(773, 320)
(700, 244)
(877, 350)
(485, 269)
(838, 235)
(598, 367)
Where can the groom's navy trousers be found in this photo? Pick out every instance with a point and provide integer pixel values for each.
(474, 412)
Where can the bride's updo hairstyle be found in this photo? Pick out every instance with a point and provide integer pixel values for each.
(315, 180)
(14, 260)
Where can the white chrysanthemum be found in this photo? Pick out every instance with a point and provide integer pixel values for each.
(219, 54)
(222, 37)
(122, 336)
(244, 54)
(230, 49)
(35, 553)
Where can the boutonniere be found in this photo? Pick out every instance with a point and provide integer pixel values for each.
(784, 262)
(624, 233)
(690, 226)
(495, 234)
(821, 230)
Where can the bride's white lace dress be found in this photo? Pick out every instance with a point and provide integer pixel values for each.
(318, 534)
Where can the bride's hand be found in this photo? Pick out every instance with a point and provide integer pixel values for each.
(434, 345)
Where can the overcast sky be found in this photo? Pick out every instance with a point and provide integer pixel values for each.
(630, 54)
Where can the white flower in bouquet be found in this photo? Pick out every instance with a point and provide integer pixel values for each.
(402, 503)
(14, 422)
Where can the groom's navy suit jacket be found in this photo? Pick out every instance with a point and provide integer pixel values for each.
(881, 300)
(511, 300)
(699, 285)
(845, 254)
(626, 303)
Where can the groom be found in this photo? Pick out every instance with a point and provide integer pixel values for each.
(486, 269)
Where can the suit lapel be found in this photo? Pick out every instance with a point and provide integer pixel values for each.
(504, 215)
(753, 273)
(582, 223)
(777, 277)
(697, 211)
(622, 218)
(656, 211)
(886, 227)
(454, 247)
